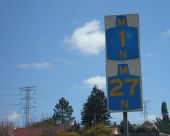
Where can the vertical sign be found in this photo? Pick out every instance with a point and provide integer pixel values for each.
(123, 68)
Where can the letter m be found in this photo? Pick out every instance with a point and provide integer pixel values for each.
(121, 21)
(123, 69)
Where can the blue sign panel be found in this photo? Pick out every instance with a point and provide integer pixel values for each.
(122, 41)
(124, 90)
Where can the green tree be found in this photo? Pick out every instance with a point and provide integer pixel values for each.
(76, 126)
(95, 109)
(163, 124)
(164, 110)
(63, 112)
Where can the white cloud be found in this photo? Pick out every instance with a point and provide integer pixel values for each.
(166, 34)
(13, 116)
(36, 65)
(88, 39)
(97, 80)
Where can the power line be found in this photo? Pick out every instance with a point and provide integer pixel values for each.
(27, 102)
(6, 105)
(49, 97)
(9, 105)
(8, 95)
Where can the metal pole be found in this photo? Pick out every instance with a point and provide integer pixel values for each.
(125, 122)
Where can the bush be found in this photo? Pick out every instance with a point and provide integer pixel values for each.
(131, 127)
(141, 129)
(101, 130)
(49, 130)
(67, 134)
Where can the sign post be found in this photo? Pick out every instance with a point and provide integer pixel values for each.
(125, 120)
(123, 67)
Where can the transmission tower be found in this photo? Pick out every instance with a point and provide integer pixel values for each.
(28, 92)
(146, 112)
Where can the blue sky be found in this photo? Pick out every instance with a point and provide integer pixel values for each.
(59, 47)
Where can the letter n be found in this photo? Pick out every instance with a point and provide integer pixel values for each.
(124, 104)
(123, 54)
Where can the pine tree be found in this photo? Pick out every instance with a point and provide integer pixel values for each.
(164, 110)
(63, 112)
(164, 123)
(95, 109)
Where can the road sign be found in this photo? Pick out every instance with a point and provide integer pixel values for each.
(124, 86)
(122, 37)
(123, 69)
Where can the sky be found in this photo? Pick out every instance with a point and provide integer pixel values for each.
(59, 47)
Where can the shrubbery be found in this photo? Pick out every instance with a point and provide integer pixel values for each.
(101, 129)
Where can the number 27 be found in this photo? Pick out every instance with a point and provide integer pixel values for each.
(114, 92)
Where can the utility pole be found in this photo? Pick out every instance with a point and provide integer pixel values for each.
(27, 92)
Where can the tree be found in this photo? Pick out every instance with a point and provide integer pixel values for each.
(63, 112)
(76, 126)
(95, 109)
(163, 124)
(6, 129)
(164, 110)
